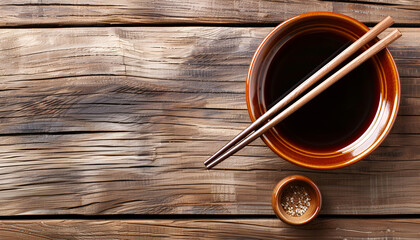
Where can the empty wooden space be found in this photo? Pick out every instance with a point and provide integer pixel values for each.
(138, 12)
(101, 120)
(210, 229)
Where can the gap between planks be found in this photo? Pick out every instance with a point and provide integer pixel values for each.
(137, 25)
(194, 216)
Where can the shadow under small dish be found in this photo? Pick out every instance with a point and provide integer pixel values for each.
(296, 200)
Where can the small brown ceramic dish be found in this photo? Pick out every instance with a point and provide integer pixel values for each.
(382, 114)
(314, 195)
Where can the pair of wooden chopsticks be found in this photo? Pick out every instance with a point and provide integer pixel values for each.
(246, 137)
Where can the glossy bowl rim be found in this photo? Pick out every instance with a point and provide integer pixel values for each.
(386, 126)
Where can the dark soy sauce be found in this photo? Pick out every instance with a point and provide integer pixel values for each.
(337, 116)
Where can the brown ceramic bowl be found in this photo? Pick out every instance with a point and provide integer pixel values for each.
(311, 189)
(383, 116)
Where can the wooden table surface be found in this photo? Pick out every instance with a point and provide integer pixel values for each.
(109, 108)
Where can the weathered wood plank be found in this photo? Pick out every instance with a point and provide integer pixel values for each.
(137, 12)
(119, 120)
(210, 229)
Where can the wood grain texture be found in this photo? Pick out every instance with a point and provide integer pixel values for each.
(138, 12)
(120, 120)
(210, 229)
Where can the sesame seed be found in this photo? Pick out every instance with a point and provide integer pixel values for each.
(295, 200)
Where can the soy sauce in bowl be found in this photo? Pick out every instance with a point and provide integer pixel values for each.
(337, 116)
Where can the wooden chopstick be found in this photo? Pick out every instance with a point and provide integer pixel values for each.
(367, 37)
(309, 96)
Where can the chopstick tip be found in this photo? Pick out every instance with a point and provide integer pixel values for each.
(394, 35)
(390, 19)
(398, 33)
